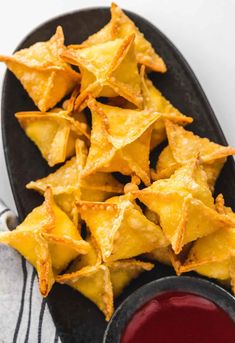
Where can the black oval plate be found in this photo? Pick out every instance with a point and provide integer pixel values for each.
(76, 318)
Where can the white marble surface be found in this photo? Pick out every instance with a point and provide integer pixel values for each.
(204, 32)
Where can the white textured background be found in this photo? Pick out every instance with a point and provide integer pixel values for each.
(203, 30)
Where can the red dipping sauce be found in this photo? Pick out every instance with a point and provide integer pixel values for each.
(180, 317)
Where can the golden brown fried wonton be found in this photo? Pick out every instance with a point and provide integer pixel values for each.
(184, 205)
(214, 255)
(101, 282)
(121, 26)
(108, 69)
(54, 132)
(44, 75)
(155, 101)
(120, 228)
(120, 140)
(48, 240)
(183, 146)
(68, 186)
(160, 254)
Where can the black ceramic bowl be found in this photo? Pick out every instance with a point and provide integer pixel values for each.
(187, 284)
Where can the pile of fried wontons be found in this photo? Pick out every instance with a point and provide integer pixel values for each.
(181, 224)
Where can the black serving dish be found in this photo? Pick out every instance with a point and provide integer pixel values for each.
(77, 319)
(187, 284)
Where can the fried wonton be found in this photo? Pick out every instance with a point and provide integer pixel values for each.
(68, 186)
(48, 239)
(155, 101)
(120, 26)
(42, 72)
(151, 216)
(102, 282)
(183, 146)
(160, 254)
(214, 255)
(108, 69)
(55, 132)
(120, 140)
(120, 228)
(184, 205)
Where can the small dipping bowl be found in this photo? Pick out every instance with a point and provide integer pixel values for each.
(194, 293)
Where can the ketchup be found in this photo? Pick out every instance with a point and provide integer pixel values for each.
(179, 317)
